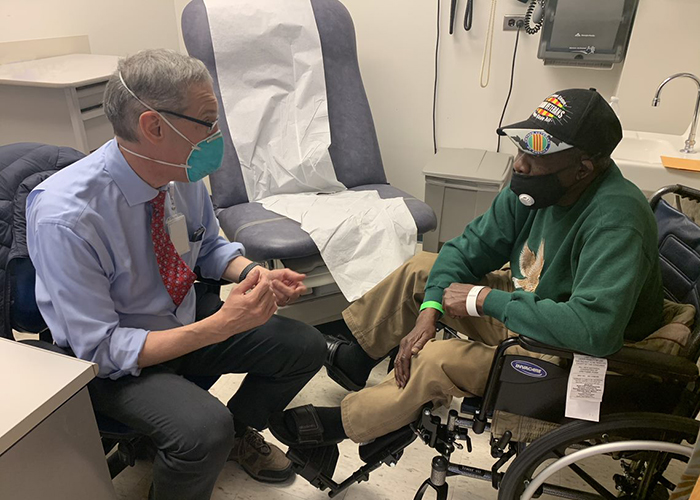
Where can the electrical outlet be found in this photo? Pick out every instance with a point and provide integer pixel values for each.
(513, 22)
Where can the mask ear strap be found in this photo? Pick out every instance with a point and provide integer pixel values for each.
(153, 159)
(121, 79)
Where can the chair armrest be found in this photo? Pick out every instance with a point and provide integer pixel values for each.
(542, 348)
(210, 282)
(640, 362)
(629, 361)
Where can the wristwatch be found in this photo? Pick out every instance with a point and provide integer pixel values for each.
(246, 270)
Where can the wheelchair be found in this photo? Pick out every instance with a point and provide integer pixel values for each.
(647, 413)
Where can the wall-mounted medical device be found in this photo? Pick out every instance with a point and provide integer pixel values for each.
(586, 33)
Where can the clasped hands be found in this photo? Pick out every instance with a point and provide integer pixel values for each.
(255, 299)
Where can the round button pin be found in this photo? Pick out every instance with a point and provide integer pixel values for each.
(526, 200)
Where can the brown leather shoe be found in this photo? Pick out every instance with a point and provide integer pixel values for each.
(262, 461)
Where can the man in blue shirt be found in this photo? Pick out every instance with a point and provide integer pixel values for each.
(116, 288)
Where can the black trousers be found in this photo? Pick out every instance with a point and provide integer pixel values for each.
(192, 430)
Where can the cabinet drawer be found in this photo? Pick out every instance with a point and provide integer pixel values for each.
(90, 96)
(98, 131)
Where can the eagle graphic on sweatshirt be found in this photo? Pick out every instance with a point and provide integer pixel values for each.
(531, 265)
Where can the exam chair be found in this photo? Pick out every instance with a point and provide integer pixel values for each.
(648, 412)
(267, 236)
(22, 167)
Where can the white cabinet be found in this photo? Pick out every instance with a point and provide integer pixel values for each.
(460, 185)
(57, 100)
(49, 443)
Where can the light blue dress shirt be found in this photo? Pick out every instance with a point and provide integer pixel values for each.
(89, 237)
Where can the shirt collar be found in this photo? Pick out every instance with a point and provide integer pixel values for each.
(134, 189)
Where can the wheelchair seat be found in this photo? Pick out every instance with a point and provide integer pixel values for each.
(354, 146)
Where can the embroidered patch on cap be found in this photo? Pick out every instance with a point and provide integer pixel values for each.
(537, 142)
(552, 108)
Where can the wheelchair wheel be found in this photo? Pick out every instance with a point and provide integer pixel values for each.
(637, 474)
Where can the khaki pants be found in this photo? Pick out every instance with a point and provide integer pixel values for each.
(440, 371)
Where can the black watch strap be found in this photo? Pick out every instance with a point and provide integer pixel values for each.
(246, 270)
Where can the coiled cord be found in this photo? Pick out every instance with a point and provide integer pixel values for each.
(528, 17)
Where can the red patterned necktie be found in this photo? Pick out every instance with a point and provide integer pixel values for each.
(177, 276)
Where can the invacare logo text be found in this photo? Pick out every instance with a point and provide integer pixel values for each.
(529, 369)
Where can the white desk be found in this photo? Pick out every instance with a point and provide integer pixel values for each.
(49, 442)
(57, 100)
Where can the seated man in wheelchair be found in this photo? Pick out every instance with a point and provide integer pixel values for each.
(584, 275)
(117, 289)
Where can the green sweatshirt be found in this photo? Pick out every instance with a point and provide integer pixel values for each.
(587, 276)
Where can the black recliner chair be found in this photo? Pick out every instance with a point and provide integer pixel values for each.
(23, 166)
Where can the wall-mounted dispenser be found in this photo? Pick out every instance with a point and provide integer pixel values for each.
(586, 33)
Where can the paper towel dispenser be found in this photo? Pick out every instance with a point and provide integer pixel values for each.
(586, 33)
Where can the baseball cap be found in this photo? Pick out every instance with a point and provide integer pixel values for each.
(568, 118)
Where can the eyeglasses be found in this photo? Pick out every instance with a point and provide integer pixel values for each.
(211, 125)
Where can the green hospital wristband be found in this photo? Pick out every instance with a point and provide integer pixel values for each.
(434, 305)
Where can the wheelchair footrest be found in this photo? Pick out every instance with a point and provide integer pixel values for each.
(387, 449)
(316, 465)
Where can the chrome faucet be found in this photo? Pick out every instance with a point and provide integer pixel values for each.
(690, 142)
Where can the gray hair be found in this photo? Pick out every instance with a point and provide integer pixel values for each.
(159, 77)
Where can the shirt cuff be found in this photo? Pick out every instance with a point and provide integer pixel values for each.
(495, 304)
(433, 294)
(216, 262)
(124, 354)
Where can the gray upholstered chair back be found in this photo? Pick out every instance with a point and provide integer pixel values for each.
(354, 147)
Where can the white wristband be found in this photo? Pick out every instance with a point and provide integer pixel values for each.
(471, 301)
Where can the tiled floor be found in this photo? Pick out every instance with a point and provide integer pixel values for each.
(399, 483)
(396, 483)
(385, 483)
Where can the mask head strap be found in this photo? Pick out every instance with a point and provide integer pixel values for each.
(121, 79)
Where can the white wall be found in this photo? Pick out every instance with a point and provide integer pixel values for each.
(396, 42)
(665, 40)
(179, 7)
(113, 27)
(396, 45)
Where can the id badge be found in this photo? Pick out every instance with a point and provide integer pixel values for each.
(177, 229)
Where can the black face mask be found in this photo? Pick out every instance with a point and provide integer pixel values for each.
(538, 191)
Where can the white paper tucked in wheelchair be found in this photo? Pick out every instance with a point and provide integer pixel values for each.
(270, 72)
(361, 237)
(584, 392)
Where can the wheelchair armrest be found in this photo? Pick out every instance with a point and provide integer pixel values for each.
(629, 361)
(542, 348)
(640, 362)
(626, 361)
